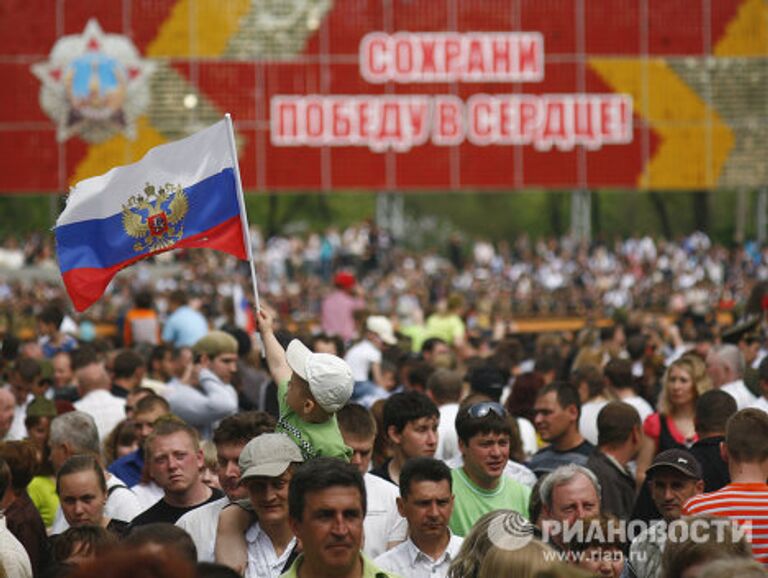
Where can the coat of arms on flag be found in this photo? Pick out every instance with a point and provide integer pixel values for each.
(156, 218)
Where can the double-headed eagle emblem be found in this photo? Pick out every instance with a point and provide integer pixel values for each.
(156, 218)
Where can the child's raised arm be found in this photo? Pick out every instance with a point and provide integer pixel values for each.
(275, 354)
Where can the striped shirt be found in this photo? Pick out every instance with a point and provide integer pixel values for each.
(745, 503)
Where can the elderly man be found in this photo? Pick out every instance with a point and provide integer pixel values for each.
(568, 494)
(725, 366)
(326, 504)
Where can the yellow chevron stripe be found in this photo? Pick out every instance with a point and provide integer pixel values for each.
(747, 33)
(690, 155)
(198, 28)
(117, 151)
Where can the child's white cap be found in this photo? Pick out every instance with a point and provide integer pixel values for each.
(329, 377)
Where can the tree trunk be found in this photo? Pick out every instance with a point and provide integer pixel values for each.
(661, 210)
(700, 203)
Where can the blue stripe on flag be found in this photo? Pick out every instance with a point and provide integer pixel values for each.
(101, 243)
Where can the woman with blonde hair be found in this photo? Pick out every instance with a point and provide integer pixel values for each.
(672, 426)
(501, 543)
(525, 562)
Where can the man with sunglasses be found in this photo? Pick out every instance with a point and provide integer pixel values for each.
(480, 485)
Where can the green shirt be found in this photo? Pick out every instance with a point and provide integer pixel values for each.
(313, 439)
(446, 327)
(369, 569)
(471, 502)
(42, 492)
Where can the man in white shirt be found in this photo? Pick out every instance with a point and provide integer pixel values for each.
(725, 366)
(364, 358)
(384, 526)
(230, 437)
(589, 381)
(267, 464)
(107, 410)
(24, 376)
(426, 501)
(444, 387)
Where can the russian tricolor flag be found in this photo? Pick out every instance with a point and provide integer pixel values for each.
(183, 194)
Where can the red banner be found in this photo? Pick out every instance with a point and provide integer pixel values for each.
(403, 95)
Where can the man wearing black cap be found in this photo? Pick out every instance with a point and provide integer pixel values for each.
(674, 476)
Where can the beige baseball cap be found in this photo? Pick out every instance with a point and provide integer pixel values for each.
(216, 343)
(329, 377)
(268, 454)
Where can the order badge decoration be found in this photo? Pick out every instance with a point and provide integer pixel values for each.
(94, 85)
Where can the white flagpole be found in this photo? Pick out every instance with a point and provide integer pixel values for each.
(243, 214)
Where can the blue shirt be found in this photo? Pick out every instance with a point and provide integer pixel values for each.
(128, 468)
(185, 327)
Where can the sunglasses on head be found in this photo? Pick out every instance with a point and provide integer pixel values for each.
(482, 409)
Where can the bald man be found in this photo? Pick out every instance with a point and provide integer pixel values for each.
(106, 409)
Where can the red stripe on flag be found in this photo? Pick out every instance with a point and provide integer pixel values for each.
(86, 285)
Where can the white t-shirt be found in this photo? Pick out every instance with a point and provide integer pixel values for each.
(447, 440)
(642, 406)
(588, 419)
(528, 436)
(383, 523)
(148, 494)
(107, 410)
(744, 398)
(201, 524)
(360, 357)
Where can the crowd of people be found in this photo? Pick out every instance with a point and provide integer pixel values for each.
(380, 415)
(497, 281)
